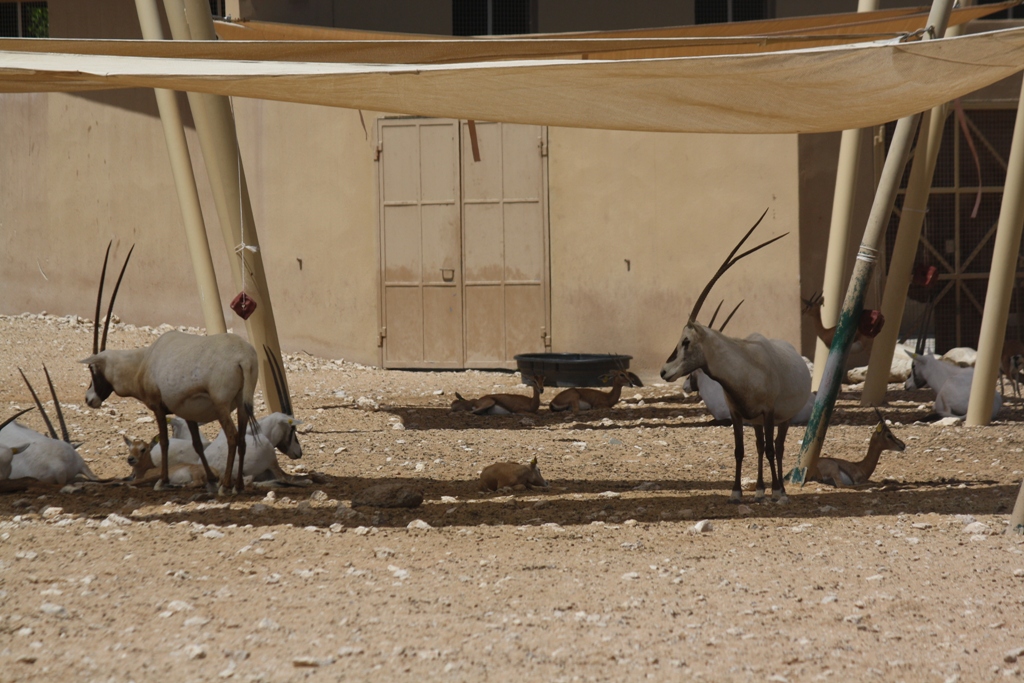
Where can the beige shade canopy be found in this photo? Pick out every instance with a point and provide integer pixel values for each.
(796, 91)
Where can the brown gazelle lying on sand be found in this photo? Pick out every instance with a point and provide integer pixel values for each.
(502, 404)
(579, 398)
(845, 474)
(508, 474)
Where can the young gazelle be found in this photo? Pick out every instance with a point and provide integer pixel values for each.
(765, 380)
(580, 398)
(199, 378)
(502, 404)
(843, 473)
(812, 309)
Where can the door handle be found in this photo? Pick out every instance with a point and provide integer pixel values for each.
(447, 274)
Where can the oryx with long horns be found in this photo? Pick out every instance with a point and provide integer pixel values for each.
(198, 378)
(766, 382)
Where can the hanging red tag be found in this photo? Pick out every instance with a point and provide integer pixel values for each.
(243, 305)
(925, 276)
(871, 323)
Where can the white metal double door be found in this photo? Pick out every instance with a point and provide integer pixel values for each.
(464, 243)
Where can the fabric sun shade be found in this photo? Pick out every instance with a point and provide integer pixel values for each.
(793, 91)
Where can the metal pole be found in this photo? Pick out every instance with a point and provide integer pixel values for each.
(849, 318)
(1001, 279)
(192, 20)
(908, 236)
(901, 267)
(185, 181)
(1017, 517)
(839, 231)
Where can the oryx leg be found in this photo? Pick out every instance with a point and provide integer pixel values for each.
(737, 431)
(197, 444)
(759, 439)
(780, 449)
(769, 446)
(161, 424)
(243, 422)
(232, 438)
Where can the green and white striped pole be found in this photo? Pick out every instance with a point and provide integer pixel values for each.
(867, 255)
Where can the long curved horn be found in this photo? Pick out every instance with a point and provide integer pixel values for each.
(46, 418)
(56, 404)
(715, 314)
(722, 328)
(729, 262)
(99, 303)
(14, 417)
(110, 308)
(278, 376)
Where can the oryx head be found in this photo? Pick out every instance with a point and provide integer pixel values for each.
(289, 442)
(692, 383)
(101, 388)
(689, 352)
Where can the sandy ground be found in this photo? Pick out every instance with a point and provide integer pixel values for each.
(600, 577)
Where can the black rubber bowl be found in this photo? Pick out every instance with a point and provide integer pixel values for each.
(571, 369)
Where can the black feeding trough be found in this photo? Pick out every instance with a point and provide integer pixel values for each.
(571, 369)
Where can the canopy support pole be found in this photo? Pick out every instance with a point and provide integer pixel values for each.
(1005, 257)
(839, 231)
(185, 182)
(908, 236)
(901, 266)
(874, 232)
(215, 124)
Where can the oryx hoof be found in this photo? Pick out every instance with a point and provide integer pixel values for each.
(223, 490)
(736, 498)
(211, 487)
(161, 485)
(759, 496)
(780, 497)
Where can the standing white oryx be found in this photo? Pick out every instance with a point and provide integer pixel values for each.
(766, 381)
(198, 378)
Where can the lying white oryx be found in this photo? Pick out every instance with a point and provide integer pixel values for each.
(952, 384)
(47, 459)
(766, 382)
(278, 431)
(7, 453)
(200, 379)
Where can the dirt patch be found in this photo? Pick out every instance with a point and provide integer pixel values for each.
(600, 577)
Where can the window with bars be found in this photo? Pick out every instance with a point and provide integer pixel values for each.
(493, 17)
(954, 257)
(217, 8)
(724, 11)
(24, 20)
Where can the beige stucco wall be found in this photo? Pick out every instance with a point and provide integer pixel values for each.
(81, 171)
(673, 205)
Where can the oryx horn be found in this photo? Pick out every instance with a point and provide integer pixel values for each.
(56, 405)
(278, 376)
(97, 344)
(722, 328)
(42, 411)
(715, 314)
(14, 417)
(729, 262)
